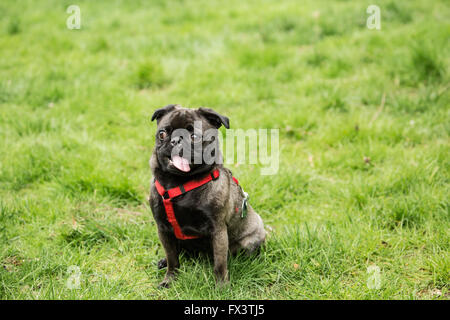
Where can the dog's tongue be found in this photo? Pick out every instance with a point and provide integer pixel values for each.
(181, 163)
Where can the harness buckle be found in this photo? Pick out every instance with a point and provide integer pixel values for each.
(244, 208)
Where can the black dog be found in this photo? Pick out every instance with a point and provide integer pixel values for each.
(196, 202)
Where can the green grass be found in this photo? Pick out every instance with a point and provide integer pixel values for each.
(363, 180)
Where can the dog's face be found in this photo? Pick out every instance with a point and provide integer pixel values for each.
(187, 139)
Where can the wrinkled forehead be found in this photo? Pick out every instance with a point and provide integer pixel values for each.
(181, 118)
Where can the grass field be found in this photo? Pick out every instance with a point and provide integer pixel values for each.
(364, 140)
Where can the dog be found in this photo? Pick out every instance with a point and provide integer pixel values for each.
(197, 204)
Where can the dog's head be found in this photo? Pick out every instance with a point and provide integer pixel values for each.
(187, 139)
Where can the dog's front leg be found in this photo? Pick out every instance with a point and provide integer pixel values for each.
(170, 247)
(220, 248)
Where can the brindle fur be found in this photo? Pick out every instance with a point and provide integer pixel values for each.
(208, 211)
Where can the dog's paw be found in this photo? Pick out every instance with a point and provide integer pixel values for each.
(222, 284)
(222, 278)
(164, 284)
(162, 264)
(170, 276)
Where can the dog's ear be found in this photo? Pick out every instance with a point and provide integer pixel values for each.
(159, 113)
(214, 118)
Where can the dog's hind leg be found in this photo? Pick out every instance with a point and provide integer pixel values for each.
(253, 238)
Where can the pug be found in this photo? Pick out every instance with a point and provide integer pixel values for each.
(196, 202)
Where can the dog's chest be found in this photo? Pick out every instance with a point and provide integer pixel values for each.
(193, 216)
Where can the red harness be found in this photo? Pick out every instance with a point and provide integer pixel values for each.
(168, 195)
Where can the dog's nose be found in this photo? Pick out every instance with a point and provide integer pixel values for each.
(175, 140)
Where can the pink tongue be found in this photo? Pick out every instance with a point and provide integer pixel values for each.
(181, 163)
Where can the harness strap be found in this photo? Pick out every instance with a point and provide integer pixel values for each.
(168, 195)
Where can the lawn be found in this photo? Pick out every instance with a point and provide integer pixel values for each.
(359, 208)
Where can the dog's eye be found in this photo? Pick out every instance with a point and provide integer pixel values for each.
(162, 134)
